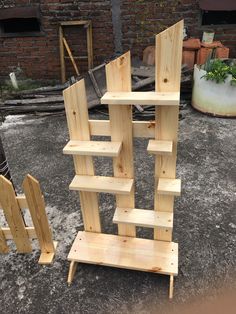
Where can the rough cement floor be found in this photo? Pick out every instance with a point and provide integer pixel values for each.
(204, 226)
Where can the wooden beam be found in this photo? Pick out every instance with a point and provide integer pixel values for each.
(3, 244)
(62, 56)
(142, 129)
(13, 216)
(70, 55)
(118, 76)
(77, 120)
(141, 98)
(168, 75)
(30, 231)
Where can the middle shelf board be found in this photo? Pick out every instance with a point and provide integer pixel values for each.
(141, 98)
(102, 184)
(93, 148)
(125, 252)
(143, 218)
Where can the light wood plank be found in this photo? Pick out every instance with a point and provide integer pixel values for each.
(118, 76)
(71, 274)
(46, 258)
(171, 289)
(38, 214)
(143, 218)
(168, 75)
(77, 120)
(30, 231)
(169, 186)
(141, 129)
(89, 35)
(102, 184)
(93, 148)
(3, 244)
(13, 216)
(73, 23)
(125, 252)
(70, 55)
(160, 147)
(141, 98)
(62, 55)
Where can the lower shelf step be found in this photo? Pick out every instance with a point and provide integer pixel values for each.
(125, 252)
(102, 184)
(169, 186)
(143, 218)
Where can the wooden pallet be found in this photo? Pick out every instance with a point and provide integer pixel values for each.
(124, 250)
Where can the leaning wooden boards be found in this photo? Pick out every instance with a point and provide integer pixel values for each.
(124, 250)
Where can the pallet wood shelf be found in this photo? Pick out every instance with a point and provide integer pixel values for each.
(93, 148)
(141, 98)
(125, 252)
(102, 184)
(160, 147)
(143, 218)
(169, 186)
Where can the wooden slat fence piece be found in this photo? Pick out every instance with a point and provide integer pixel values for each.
(37, 210)
(168, 75)
(77, 120)
(118, 76)
(3, 244)
(13, 216)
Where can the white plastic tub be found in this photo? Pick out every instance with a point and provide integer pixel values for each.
(210, 97)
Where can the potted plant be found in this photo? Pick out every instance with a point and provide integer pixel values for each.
(214, 89)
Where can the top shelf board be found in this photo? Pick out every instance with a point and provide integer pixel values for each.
(141, 98)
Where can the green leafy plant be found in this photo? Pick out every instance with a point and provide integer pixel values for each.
(217, 71)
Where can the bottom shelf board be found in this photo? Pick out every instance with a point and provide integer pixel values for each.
(125, 252)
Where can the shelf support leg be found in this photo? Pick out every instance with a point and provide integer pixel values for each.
(72, 270)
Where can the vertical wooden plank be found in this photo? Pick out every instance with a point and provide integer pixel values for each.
(13, 216)
(77, 120)
(90, 45)
(168, 74)
(37, 210)
(118, 75)
(62, 55)
(3, 243)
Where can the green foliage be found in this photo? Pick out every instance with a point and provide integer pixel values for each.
(218, 71)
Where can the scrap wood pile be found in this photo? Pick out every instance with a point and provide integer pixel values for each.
(49, 99)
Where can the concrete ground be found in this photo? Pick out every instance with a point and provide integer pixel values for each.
(204, 226)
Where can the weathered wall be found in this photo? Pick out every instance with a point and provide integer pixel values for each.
(140, 21)
(39, 56)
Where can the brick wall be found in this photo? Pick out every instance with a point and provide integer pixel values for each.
(141, 20)
(39, 56)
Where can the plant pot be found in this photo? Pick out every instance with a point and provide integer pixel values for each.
(212, 98)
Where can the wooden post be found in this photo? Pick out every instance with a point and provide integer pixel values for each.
(77, 120)
(62, 55)
(118, 75)
(3, 244)
(39, 217)
(90, 45)
(13, 216)
(168, 73)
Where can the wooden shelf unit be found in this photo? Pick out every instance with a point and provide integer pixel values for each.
(125, 250)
